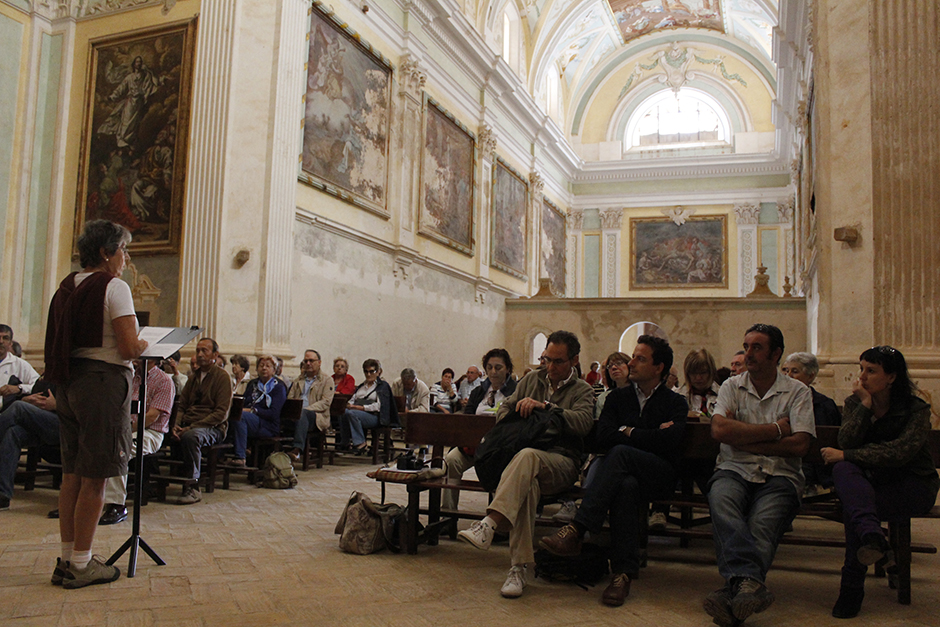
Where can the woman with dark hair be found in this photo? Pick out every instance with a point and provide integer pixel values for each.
(444, 393)
(240, 378)
(616, 375)
(371, 406)
(91, 342)
(883, 468)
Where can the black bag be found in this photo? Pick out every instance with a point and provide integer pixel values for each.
(509, 436)
(583, 570)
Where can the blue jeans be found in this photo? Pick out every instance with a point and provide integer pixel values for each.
(353, 426)
(748, 520)
(620, 482)
(21, 426)
(251, 425)
(302, 427)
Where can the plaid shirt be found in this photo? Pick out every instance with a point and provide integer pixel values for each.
(160, 394)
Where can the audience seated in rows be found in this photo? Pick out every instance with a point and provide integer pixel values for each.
(160, 395)
(29, 421)
(262, 405)
(372, 405)
(316, 390)
(700, 390)
(343, 382)
(485, 398)
(559, 390)
(202, 418)
(444, 393)
(240, 374)
(467, 383)
(16, 375)
(415, 391)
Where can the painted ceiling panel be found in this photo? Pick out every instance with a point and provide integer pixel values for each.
(636, 18)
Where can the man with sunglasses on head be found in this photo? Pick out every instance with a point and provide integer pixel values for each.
(532, 472)
(764, 422)
(316, 390)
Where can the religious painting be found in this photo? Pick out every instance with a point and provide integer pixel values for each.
(667, 255)
(508, 241)
(132, 167)
(447, 180)
(346, 121)
(639, 17)
(553, 241)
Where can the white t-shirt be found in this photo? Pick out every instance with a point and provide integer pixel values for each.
(118, 302)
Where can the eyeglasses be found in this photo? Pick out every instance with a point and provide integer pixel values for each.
(369, 370)
(310, 361)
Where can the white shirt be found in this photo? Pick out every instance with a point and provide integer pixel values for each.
(118, 302)
(786, 398)
(463, 393)
(13, 366)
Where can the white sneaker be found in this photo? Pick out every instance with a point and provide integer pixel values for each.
(515, 582)
(657, 521)
(566, 513)
(480, 535)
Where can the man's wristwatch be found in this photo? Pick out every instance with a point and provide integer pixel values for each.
(548, 406)
(626, 430)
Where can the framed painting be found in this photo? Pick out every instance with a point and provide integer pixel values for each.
(346, 119)
(508, 241)
(665, 255)
(132, 167)
(553, 241)
(447, 180)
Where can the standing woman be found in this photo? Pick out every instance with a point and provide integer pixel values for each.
(884, 470)
(91, 340)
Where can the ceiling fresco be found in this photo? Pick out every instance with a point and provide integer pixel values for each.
(636, 18)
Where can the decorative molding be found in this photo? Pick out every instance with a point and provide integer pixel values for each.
(611, 218)
(575, 219)
(411, 78)
(99, 7)
(678, 214)
(674, 64)
(785, 209)
(747, 213)
(486, 140)
(611, 259)
(143, 289)
(746, 244)
(536, 184)
(482, 287)
(401, 265)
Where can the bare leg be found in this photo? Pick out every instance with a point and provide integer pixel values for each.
(68, 495)
(79, 509)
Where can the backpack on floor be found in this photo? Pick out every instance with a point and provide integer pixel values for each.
(583, 570)
(278, 472)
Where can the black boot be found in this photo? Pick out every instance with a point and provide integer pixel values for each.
(849, 602)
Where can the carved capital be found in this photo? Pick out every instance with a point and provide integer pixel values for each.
(747, 212)
(56, 9)
(410, 76)
(486, 139)
(536, 182)
(611, 218)
(575, 219)
(785, 210)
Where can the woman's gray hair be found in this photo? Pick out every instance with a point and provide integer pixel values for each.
(807, 361)
(99, 234)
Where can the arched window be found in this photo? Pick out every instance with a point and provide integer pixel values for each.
(539, 342)
(689, 116)
(512, 45)
(553, 95)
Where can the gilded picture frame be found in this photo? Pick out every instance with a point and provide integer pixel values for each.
(553, 246)
(666, 255)
(135, 137)
(509, 240)
(447, 179)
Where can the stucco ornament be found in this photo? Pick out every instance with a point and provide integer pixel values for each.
(678, 214)
(411, 77)
(747, 213)
(536, 183)
(575, 219)
(95, 7)
(674, 68)
(611, 218)
(486, 139)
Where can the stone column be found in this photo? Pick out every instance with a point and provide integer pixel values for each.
(486, 150)
(575, 284)
(611, 230)
(409, 134)
(536, 185)
(746, 217)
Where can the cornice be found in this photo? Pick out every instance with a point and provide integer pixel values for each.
(689, 167)
(658, 304)
(690, 198)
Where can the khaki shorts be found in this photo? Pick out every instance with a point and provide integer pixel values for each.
(94, 410)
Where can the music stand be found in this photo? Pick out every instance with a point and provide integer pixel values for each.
(164, 341)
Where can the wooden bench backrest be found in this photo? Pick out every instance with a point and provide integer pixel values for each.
(235, 411)
(697, 443)
(444, 430)
(933, 441)
(292, 409)
(338, 406)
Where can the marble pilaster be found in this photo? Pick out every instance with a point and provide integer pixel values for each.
(611, 232)
(409, 134)
(536, 185)
(486, 144)
(575, 221)
(746, 217)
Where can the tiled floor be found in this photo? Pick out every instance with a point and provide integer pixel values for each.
(250, 556)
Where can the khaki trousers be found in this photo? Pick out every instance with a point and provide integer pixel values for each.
(529, 475)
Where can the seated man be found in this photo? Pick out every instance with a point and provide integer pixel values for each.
(737, 364)
(16, 375)
(416, 392)
(30, 421)
(261, 413)
(485, 398)
(764, 421)
(469, 383)
(316, 390)
(641, 430)
(160, 394)
(202, 417)
(533, 472)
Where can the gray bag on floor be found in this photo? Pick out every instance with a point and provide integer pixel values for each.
(365, 527)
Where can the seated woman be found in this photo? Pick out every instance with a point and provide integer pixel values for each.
(343, 382)
(804, 367)
(371, 405)
(615, 375)
(884, 470)
(700, 390)
(484, 399)
(240, 376)
(261, 416)
(444, 394)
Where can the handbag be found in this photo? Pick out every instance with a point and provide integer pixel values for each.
(541, 430)
(365, 527)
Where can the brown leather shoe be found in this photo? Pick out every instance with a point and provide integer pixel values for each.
(565, 543)
(617, 591)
